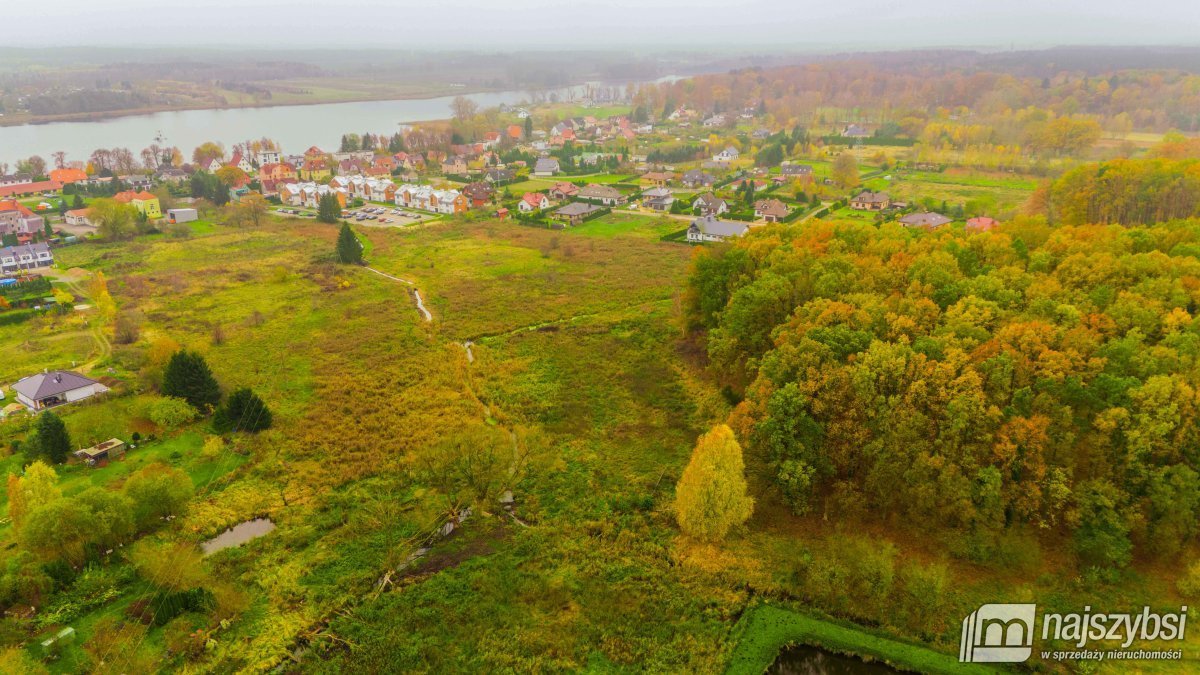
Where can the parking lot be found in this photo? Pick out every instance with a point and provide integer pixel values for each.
(382, 216)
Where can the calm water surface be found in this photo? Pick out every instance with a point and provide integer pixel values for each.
(295, 127)
(238, 535)
(806, 660)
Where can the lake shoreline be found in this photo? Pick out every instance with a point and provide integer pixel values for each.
(102, 116)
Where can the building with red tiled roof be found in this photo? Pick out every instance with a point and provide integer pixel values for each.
(27, 189)
(981, 224)
(68, 176)
(534, 201)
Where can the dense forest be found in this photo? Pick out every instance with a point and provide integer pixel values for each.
(996, 388)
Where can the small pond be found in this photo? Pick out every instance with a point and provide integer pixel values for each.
(238, 535)
(806, 660)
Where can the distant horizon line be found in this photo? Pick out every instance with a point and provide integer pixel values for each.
(773, 48)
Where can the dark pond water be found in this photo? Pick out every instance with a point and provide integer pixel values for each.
(238, 535)
(806, 660)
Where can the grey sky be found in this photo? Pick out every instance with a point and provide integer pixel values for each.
(529, 24)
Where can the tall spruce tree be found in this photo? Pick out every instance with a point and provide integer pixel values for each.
(51, 441)
(349, 250)
(244, 411)
(329, 209)
(188, 377)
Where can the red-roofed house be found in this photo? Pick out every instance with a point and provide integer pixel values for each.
(981, 224)
(515, 132)
(143, 201)
(68, 176)
(564, 190)
(18, 220)
(27, 189)
(533, 201)
(78, 217)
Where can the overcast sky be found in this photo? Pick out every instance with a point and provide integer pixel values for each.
(529, 24)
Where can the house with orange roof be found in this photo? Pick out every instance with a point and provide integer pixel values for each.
(16, 219)
(533, 201)
(29, 189)
(68, 176)
(78, 217)
(515, 132)
(145, 202)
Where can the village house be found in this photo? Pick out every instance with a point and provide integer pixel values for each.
(711, 228)
(309, 194)
(55, 387)
(563, 191)
(981, 224)
(15, 179)
(928, 220)
(709, 204)
(351, 166)
(274, 174)
(714, 121)
(575, 212)
(170, 175)
(17, 219)
(315, 169)
(265, 157)
(241, 162)
(497, 175)
(14, 259)
(214, 165)
(793, 171)
(68, 176)
(602, 194)
(455, 166)
(426, 198)
(729, 154)
(657, 178)
(770, 210)
(870, 201)
(78, 217)
(546, 166)
(30, 189)
(658, 199)
(855, 131)
(760, 134)
(533, 201)
(479, 193)
(696, 178)
(145, 202)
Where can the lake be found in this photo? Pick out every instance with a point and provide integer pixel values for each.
(806, 660)
(295, 127)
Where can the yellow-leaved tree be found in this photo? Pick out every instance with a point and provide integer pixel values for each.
(710, 497)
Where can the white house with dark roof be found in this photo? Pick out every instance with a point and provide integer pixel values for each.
(729, 154)
(55, 387)
(711, 228)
